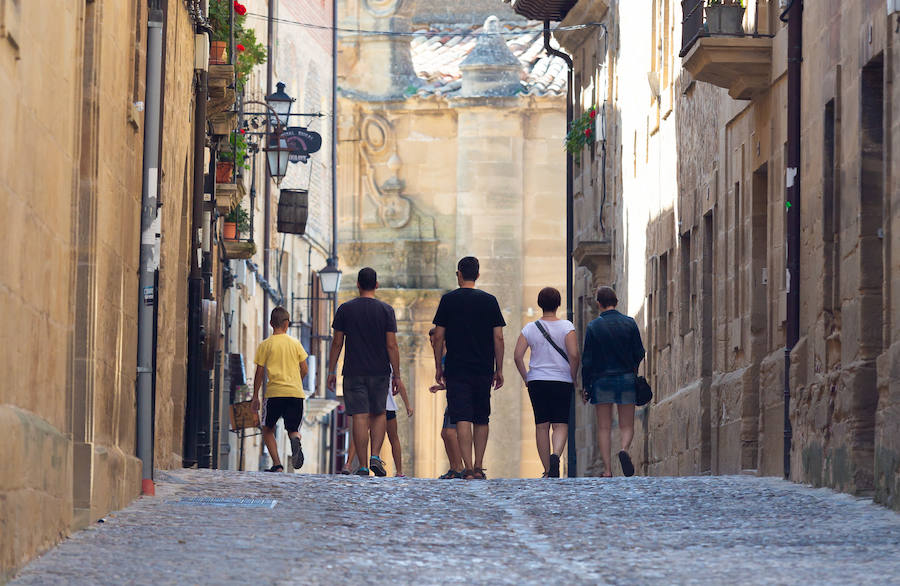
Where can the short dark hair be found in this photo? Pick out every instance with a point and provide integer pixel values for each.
(468, 268)
(606, 297)
(367, 279)
(279, 316)
(549, 299)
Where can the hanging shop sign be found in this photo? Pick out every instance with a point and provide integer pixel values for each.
(302, 143)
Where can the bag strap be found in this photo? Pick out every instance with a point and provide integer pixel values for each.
(552, 343)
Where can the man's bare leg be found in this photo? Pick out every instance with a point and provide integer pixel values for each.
(464, 440)
(361, 437)
(377, 426)
(451, 446)
(481, 438)
(351, 448)
(271, 444)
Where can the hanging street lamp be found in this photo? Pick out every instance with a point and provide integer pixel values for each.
(277, 157)
(330, 277)
(280, 103)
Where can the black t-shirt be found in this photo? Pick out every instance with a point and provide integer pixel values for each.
(365, 322)
(469, 317)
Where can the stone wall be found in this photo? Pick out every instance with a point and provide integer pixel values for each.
(702, 267)
(71, 193)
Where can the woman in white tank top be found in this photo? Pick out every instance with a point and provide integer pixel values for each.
(549, 377)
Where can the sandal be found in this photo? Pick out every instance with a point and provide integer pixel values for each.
(450, 475)
(362, 472)
(278, 468)
(475, 474)
(625, 461)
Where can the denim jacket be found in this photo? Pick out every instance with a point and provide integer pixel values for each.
(612, 345)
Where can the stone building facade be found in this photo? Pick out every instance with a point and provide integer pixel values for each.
(450, 144)
(694, 230)
(70, 191)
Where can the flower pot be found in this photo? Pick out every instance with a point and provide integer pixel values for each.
(725, 20)
(229, 231)
(224, 171)
(217, 52)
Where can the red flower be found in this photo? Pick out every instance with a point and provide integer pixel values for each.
(243, 131)
(240, 47)
(587, 131)
(240, 8)
(593, 113)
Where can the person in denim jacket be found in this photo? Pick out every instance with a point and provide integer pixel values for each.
(612, 353)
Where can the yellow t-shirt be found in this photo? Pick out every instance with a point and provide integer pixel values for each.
(281, 356)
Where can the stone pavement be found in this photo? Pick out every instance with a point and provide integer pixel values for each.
(703, 530)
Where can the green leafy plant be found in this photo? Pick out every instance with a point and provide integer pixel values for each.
(248, 51)
(241, 219)
(236, 150)
(581, 132)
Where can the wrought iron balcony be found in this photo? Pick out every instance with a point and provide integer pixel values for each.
(728, 45)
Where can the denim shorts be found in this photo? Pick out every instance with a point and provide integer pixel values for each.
(614, 388)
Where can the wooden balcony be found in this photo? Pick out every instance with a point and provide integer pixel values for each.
(737, 57)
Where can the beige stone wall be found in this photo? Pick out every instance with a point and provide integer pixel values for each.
(71, 194)
(696, 228)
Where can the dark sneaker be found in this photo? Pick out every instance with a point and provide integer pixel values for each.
(625, 461)
(278, 468)
(296, 453)
(377, 466)
(362, 472)
(553, 472)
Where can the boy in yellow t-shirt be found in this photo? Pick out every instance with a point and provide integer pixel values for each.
(284, 360)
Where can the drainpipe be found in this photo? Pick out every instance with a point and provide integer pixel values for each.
(334, 128)
(793, 14)
(572, 453)
(193, 426)
(150, 232)
(267, 190)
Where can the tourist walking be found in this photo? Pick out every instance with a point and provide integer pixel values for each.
(471, 324)
(550, 375)
(612, 353)
(369, 328)
(448, 430)
(393, 434)
(283, 359)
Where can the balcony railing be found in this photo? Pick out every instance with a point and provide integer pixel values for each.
(701, 19)
(728, 45)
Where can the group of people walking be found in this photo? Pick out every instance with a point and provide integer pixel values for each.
(468, 349)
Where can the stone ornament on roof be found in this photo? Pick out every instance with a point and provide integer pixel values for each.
(491, 69)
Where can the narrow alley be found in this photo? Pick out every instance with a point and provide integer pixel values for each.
(321, 529)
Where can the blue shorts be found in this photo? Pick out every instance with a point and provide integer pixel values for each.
(614, 388)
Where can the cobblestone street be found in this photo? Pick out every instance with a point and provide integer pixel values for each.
(619, 531)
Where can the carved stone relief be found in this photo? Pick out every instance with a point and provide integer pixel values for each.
(379, 142)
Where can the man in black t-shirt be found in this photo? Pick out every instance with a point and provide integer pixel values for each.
(370, 328)
(470, 323)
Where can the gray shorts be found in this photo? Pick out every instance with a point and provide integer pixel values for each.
(366, 394)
